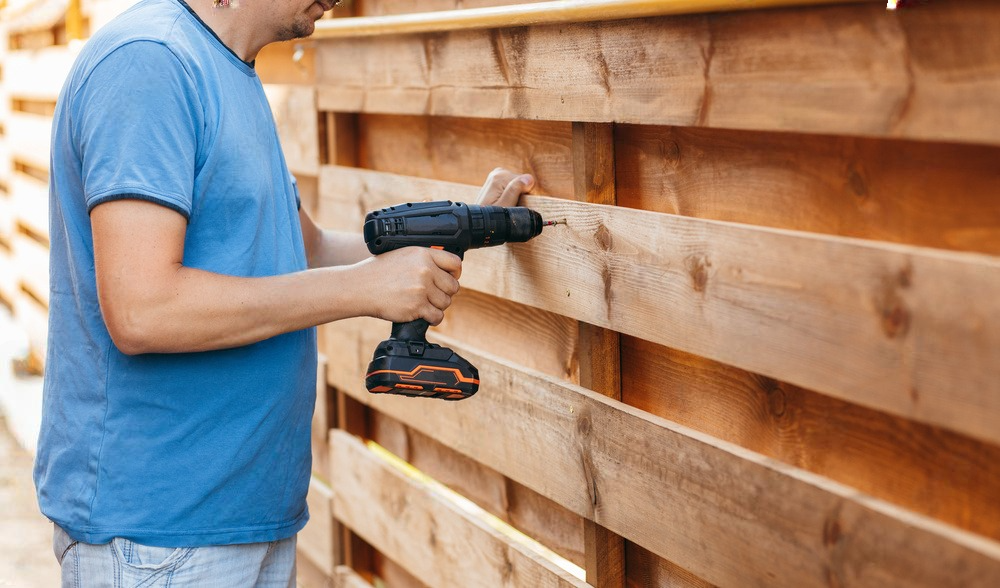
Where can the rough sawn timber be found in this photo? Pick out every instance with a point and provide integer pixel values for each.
(415, 525)
(729, 515)
(907, 330)
(844, 70)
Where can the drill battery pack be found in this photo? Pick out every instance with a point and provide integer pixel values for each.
(420, 369)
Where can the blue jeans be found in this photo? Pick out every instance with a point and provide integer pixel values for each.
(126, 564)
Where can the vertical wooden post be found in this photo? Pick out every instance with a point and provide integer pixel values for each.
(338, 146)
(599, 349)
(74, 21)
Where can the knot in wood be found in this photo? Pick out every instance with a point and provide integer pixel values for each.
(698, 267)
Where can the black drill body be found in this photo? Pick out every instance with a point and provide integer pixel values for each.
(406, 363)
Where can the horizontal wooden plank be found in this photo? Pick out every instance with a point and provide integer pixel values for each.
(517, 14)
(436, 539)
(31, 316)
(390, 573)
(21, 71)
(8, 218)
(524, 509)
(726, 514)
(916, 326)
(931, 194)
(929, 74)
(348, 578)
(30, 198)
(389, 7)
(29, 138)
(644, 569)
(10, 287)
(474, 316)
(316, 540)
(467, 150)
(925, 469)
(31, 259)
(294, 109)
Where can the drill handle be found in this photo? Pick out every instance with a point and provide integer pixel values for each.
(415, 331)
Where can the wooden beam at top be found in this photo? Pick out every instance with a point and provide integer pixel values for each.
(908, 330)
(925, 74)
(541, 13)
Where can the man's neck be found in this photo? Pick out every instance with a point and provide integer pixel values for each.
(232, 26)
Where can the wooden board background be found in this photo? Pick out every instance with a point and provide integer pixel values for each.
(764, 351)
(833, 129)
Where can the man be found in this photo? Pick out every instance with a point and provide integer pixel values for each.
(180, 377)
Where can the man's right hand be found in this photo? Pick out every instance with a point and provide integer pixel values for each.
(412, 283)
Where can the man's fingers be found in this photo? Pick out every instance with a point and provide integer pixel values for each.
(519, 185)
(504, 187)
(449, 262)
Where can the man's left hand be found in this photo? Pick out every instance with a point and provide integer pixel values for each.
(504, 188)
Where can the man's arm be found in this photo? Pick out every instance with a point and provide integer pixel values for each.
(325, 248)
(152, 303)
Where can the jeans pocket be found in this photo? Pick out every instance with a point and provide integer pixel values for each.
(144, 558)
(62, 543)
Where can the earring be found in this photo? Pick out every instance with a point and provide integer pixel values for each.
(225, 3)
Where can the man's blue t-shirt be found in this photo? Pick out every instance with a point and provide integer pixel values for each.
(172, 450)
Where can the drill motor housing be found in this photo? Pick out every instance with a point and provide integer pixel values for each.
(406, 364)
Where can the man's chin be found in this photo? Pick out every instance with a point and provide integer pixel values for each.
(303, 28)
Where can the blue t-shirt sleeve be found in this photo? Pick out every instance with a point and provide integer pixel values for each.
(136, 121)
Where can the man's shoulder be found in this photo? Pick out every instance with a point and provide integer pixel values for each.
(157, 22)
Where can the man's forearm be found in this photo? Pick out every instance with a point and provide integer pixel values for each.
(201, 311)
(337, 248)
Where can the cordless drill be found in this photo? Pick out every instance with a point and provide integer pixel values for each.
(406, 363)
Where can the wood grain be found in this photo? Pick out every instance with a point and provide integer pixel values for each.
(724, 513)
(387, 7)
(925, 469)
(467, 150)
(932, 194)
(599, 350)
(646, 570)
(915, 326)
(929, 74)
(432, 537)
(524, 509)
(348, 578)
(558, 12)
(474, 316)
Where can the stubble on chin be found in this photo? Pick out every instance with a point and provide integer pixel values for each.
(301, 28)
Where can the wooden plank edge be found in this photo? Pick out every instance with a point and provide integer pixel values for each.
(762, 299)
(409, 521)
(799, 527)
(347, 578)
(311, 544)
(540, 13)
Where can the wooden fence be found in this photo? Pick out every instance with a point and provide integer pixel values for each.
(765, 349)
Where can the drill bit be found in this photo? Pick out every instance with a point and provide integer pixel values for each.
(556, 222)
